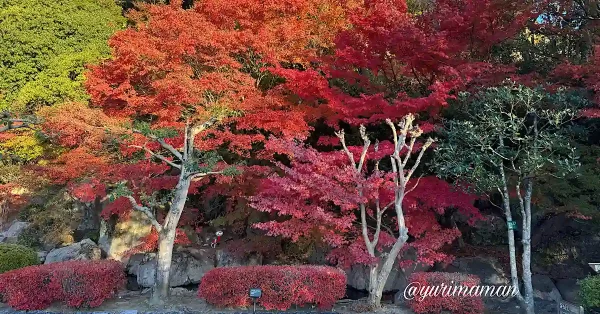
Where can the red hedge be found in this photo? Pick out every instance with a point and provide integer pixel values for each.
(77, 283)
(435, 301)
(282, 286)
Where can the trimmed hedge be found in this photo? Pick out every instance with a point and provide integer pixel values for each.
(429, 300)
(282, 286)
(13, 256)
(76, 283)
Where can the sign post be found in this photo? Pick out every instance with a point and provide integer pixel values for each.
(255, 293)
(512, 225)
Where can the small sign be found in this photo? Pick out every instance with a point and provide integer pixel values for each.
(565, 307)
(512, 225)
(255, 293)
(595, 267)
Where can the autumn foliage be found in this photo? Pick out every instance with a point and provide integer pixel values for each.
(76, 283)
(318, 196)
(282, 286)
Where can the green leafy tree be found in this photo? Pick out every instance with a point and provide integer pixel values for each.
(503, 141)
(45, 45)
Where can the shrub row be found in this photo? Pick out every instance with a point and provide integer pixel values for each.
(13, 256)
(282, 286)
(76, 283)
(430, 298)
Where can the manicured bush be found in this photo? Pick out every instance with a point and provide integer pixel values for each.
(428, 295)
(590, 291)
(282, 286)
(13, 256)
(76, 283)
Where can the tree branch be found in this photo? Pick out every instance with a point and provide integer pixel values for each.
(341, 135)
(146, 211)
(159, 156)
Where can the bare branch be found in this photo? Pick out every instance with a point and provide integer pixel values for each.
(159, 156)
(418, 161)
(146, 211)
(415, 186)
(341, 135)
(200, 175)
(367, 143)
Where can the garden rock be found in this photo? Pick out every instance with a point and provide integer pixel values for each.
(569, 290)
(226, 258)
(84, 250)
(42, 256)
(118, 237)
(544, 288)
(489, 231)
(486, 268)
(185, 269)
(12, 234)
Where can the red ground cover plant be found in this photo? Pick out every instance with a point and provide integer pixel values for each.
(431, 298)
(76, 283)
(282, 286)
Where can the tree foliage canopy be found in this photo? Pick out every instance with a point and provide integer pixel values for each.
(45, 46)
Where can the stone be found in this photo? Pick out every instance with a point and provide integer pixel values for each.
(182, 292)
(563, 247)
(118, 237)
(489, 231)
(544, 288)
(225, 258)
(569, 290)
(185, 268)
(12, 234)
(486, 268)
(42, 256)
(358, 278)
(84, 250)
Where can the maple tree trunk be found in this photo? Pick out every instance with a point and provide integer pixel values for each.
(378, 275)
(374, 299)
(163, 267)
(167, 240)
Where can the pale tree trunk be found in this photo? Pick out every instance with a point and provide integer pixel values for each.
(514, 275)
(526, 240)
(512, 250)
(379, 273)
(167, 231)
(167, 240)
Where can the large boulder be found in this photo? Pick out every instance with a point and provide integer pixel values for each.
(358, 278)
(358, 275)
(118, 237)
(185, 268)
(569, 290)
(564, 246)
(544, 288)
(12, 234)
(491, 230)
(226, 258)
(486, 268)
(84, 250)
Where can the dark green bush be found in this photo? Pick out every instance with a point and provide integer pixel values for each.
(13, 256)
(590, 291)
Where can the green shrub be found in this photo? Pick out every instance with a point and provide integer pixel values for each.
(590, 291)
(13, 256)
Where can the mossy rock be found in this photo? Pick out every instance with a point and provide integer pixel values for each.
(13, 256)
